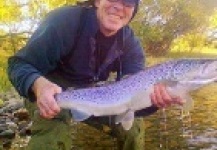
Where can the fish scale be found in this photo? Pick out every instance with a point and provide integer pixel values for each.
(124, 97)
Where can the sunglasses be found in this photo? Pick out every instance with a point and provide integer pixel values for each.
(127, 3)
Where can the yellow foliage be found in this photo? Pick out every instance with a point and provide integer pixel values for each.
(1, 102)
(213, 20)
(56, 3)
(9, 11)
(187, 43)
(43, 6)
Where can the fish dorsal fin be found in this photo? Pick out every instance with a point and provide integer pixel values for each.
(79, 115)
(126, 119)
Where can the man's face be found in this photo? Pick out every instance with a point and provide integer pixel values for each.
(113, 15)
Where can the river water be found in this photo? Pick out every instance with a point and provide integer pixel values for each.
(168, 129)
(173, 129)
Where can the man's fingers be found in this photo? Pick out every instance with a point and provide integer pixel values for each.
(45, 111)
(178, 101)
(161, 97)
(153, 99)
(167, 100)
(158, 96)
(55, 107)
(48, 109)
(44, 114)
(45, 92)
(58, 89)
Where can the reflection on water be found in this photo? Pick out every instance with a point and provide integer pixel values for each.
(173, 129)
(169, 129)
(204, 123)
(206, 139)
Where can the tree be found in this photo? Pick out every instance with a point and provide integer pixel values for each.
(18, 20)
(160, 22)
(212, 38)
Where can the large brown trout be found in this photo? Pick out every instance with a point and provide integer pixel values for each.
(124, 97)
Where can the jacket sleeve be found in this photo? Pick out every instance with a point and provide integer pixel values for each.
(38, 57)
(133, 59)
(42, 52)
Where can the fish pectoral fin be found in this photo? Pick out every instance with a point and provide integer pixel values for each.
(177, 88)
(127, 124)
(79, 115)
(126, 119)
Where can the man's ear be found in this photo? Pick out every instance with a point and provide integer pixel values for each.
(96, 3)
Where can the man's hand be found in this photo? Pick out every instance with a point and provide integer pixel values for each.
(44, 91)
(161, 98)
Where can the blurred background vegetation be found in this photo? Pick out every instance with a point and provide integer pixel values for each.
(167, 28)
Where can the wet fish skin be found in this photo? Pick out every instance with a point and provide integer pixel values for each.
(124, 97)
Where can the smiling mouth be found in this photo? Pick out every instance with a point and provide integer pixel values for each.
(115, 16)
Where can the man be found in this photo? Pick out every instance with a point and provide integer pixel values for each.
(70, 50)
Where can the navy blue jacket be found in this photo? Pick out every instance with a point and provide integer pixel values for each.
(54, 39)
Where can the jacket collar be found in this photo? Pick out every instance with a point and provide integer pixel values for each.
(114, 52)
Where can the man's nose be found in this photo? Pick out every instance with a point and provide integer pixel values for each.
(118, 5)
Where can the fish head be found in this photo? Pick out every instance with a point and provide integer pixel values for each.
(209, 70)
(196, 70)
(203, 72)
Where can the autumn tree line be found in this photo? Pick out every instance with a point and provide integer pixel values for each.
(161, 25)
